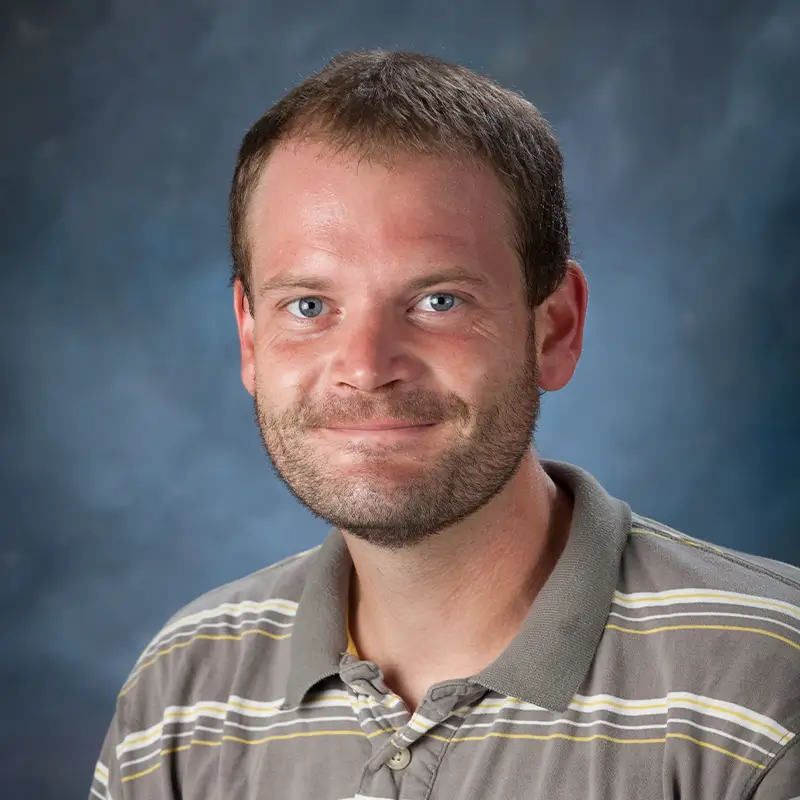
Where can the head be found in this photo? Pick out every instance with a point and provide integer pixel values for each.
(401, 252)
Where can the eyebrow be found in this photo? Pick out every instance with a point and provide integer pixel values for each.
(290, 281)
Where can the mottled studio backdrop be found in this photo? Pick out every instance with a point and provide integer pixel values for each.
(133, 477)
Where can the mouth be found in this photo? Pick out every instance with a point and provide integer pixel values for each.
(395, 432)
(380, 425)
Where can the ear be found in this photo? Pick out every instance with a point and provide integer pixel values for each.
(245, 322)
(559, 330)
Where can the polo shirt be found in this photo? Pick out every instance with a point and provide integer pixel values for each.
(650, 665)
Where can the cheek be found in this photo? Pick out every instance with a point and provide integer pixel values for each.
(470, 379)
(278, 374)
(489, 334)
(285, 381)
(278, 378)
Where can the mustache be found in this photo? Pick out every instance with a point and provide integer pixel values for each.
(410, 409)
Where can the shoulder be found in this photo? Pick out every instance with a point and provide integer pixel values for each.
(201, 647)
(689, 585)
(660, 557)
(717, 631)
(284, 579)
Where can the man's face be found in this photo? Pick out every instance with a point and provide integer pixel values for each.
(366, 346)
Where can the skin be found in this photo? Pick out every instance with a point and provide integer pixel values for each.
(453, 530)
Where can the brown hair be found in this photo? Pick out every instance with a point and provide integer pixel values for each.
(375, 102)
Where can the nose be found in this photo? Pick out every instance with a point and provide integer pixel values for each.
(372, 351)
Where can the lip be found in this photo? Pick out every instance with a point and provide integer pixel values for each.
(388, 425)
(384, 434)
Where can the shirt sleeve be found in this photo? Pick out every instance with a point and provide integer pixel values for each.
(781, 779)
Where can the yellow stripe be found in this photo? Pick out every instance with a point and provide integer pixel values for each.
(170, 715)
(681, 540)
(225, 609)
(599, 736)
(140, 774)
(700, 704)
(169, 750)
(152, 735)
(707, 627)
(661, 706)
(542, 737)
(714, 747)
(307, 734)
(273, 707)
(501, 704)
(498, 735)
(207, 636)
(258, 741)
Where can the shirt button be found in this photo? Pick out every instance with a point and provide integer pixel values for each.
(400, 759)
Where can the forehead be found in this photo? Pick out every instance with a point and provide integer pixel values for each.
(307, 192)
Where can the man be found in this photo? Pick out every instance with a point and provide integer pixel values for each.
(478, 624)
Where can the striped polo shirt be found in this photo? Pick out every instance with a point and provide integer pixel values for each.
(650, 665)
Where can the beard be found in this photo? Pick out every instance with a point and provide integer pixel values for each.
(397, 496)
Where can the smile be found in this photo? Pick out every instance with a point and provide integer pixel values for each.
(377, 434)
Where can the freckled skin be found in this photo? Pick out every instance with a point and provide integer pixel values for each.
(371, 349)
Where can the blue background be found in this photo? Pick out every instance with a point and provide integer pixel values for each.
(133, 477)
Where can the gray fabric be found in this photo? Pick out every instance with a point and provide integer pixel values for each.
(611, 688)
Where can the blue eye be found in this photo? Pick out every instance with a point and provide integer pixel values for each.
(312, 305)
(446, 305)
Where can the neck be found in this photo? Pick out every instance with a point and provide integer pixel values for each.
(449, 606)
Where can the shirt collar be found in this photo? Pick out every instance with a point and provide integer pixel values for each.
(549, 657)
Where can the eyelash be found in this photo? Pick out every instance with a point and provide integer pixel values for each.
(463, 300)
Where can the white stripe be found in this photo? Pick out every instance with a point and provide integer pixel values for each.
(495, 704)
(101, 773)
(229, 625)
(608, 724)
(97, 794)
(288, 723)
(181, 735)
(167, 736)
(134, 761)
(191, 713)
(705, 614)
(721, 733)
(709, 706)
(699, 595)
(732, 712)
(163, 740)
(280, 605)
(284, 606)
(203, 728)
(139, 739)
